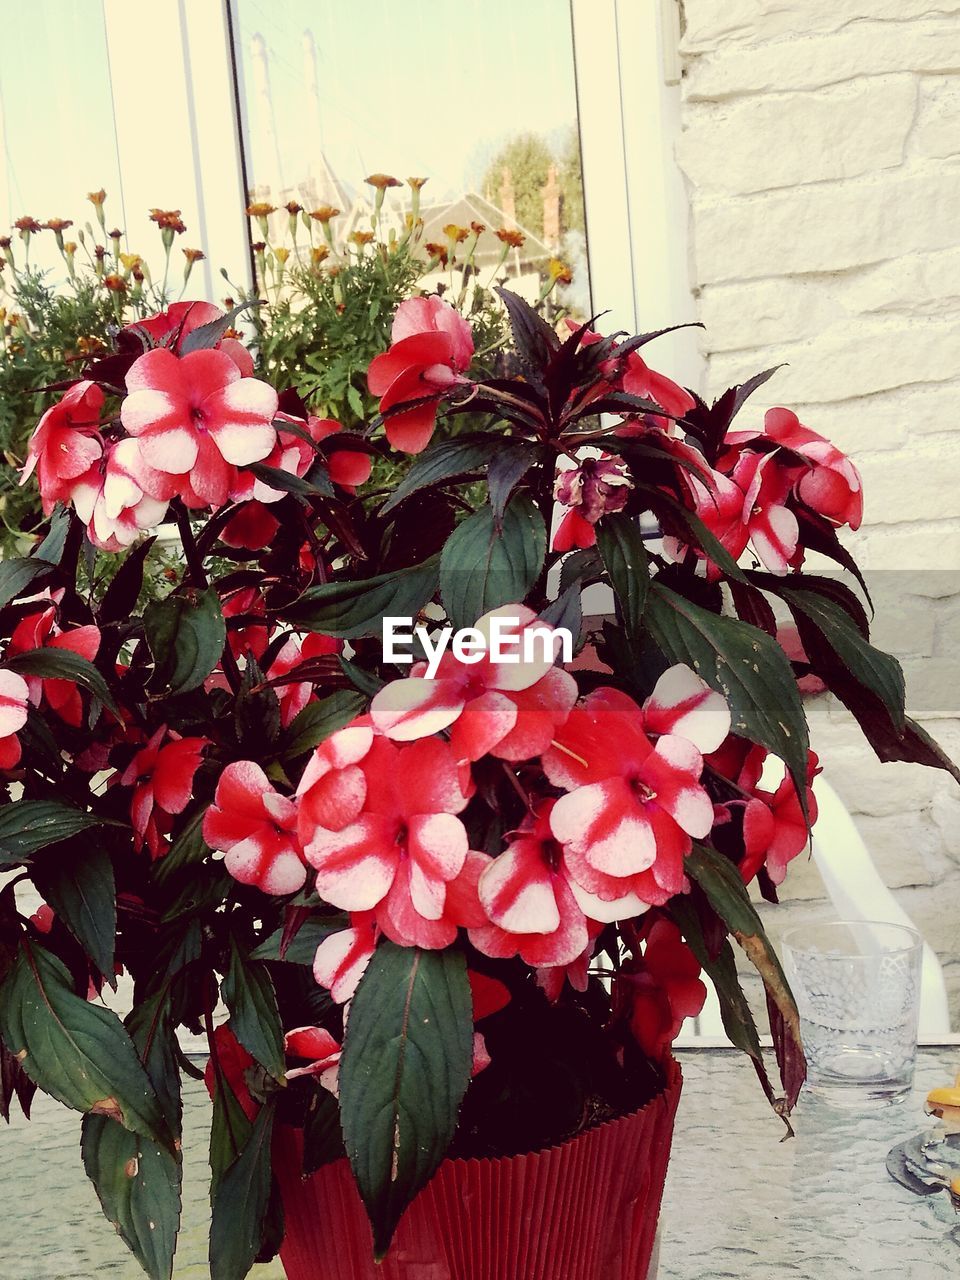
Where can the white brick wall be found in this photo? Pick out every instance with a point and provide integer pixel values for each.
(821, 143)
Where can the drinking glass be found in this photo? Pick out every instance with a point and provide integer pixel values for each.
(857, 986)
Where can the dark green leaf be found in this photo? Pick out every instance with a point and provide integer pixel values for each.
(18, 573)
(186, 634)
(511, 462)
(137, 1181)
(566, 611)
(367, 682)
(76, 1051)
(77, 881)
(322, 1139)
(580, 565)
(483, 566)
(52, 547)
(249, 995)
(624, 555)
(350, 609)
(318, 482)
(404, 1071)
(229, 1133)
(744, 664)
(207, 336)
(442, 462)
(318, 720)
(63, 664)
(256, 713)
(302, 947)
(29, 825)
(240, 1204)
(189, 847)
(534, 340)
(840, 654)
(690, 529)
(120, 598)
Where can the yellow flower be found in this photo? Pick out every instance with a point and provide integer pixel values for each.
(191, 255)
(417, 183)
(97, 198)
(559, 272)
(129, 260)
(360, 237)
(455, 233)
(260, 209)
(281, 255)
(319, 254)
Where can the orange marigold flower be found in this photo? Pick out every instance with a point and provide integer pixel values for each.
(293, 208)
(191, 255)
(324, 213)
(99, 252)
(510, 237)
(559, 271)
(115, 283)
(478, 228)
(360, 237)
(455, 233)
(130, 260)
(115, 234)
(5, 242)
(281, 255)
(258, 246)
(260, 209)
(70, 248)
(381, 181)
(97, 198)
(319, 254)
(417, 183)
(437, 251)
(168, 220)
(58, 224)
(28, 224)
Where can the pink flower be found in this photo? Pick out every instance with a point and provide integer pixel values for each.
(380, 828)
(252, 527)
(294, 696)
(114, 500)
(551, 979)
(169, 328)
(432, 347)
(664, 989)
(196, 416)
(342, 959)
(530, 902)
(347, 467)
(640, 380)
(255, 827)
(14, 699)
(162, 781)
(40, 630)
(66, 443)
(632, 804)
(483, 701)
(832, 486)
(322, 1050)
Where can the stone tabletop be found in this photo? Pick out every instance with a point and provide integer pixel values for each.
(739, 1202)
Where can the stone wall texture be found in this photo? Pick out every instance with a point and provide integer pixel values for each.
(821, 145)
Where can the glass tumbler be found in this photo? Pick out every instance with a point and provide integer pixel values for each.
(857, 986)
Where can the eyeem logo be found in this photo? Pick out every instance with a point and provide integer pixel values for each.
(503, 640)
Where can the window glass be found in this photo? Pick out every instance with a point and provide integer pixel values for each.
(477, 96)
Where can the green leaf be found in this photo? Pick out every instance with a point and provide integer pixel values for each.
(52, 547)
(720, 881)
(229, 1133)
(303, 945)
(318, 482)
(847, 649)
(256, 713)
(248, 993)
(511, 462)
(579, 565)
(18, 573)
(483, 566)
(322, 1139)
(186, 634)
(29, 825)
(77, 881)
(188, 848)
(404, 1071)
(63, 664)
(318, 720)
(137, 1181)
(76, 1051)
(350, 609)
(625, 559)
(240, 1204)
(443, 461)
(744, 664)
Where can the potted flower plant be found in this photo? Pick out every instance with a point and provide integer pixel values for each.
(432, 863)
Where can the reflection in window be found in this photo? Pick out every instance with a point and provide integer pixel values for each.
(479, 97)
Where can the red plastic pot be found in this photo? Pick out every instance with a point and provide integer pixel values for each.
(585, 1210)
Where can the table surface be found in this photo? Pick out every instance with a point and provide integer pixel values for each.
(738, 1203)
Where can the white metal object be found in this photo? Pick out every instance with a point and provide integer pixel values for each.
(857, 892)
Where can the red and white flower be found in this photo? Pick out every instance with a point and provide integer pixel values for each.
(663, 990)
(114, 500)
(342, 958)
(65, 444)
(169, 328)
(591, 489)
(161, 775)
(487, 703)
(14, 700)
(632, 804)
(255, 827)
(432, 347)
(322, 1050)
(293, 697)
(196, 416)
(40, 630)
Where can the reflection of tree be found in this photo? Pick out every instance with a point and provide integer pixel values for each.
(522, 168)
